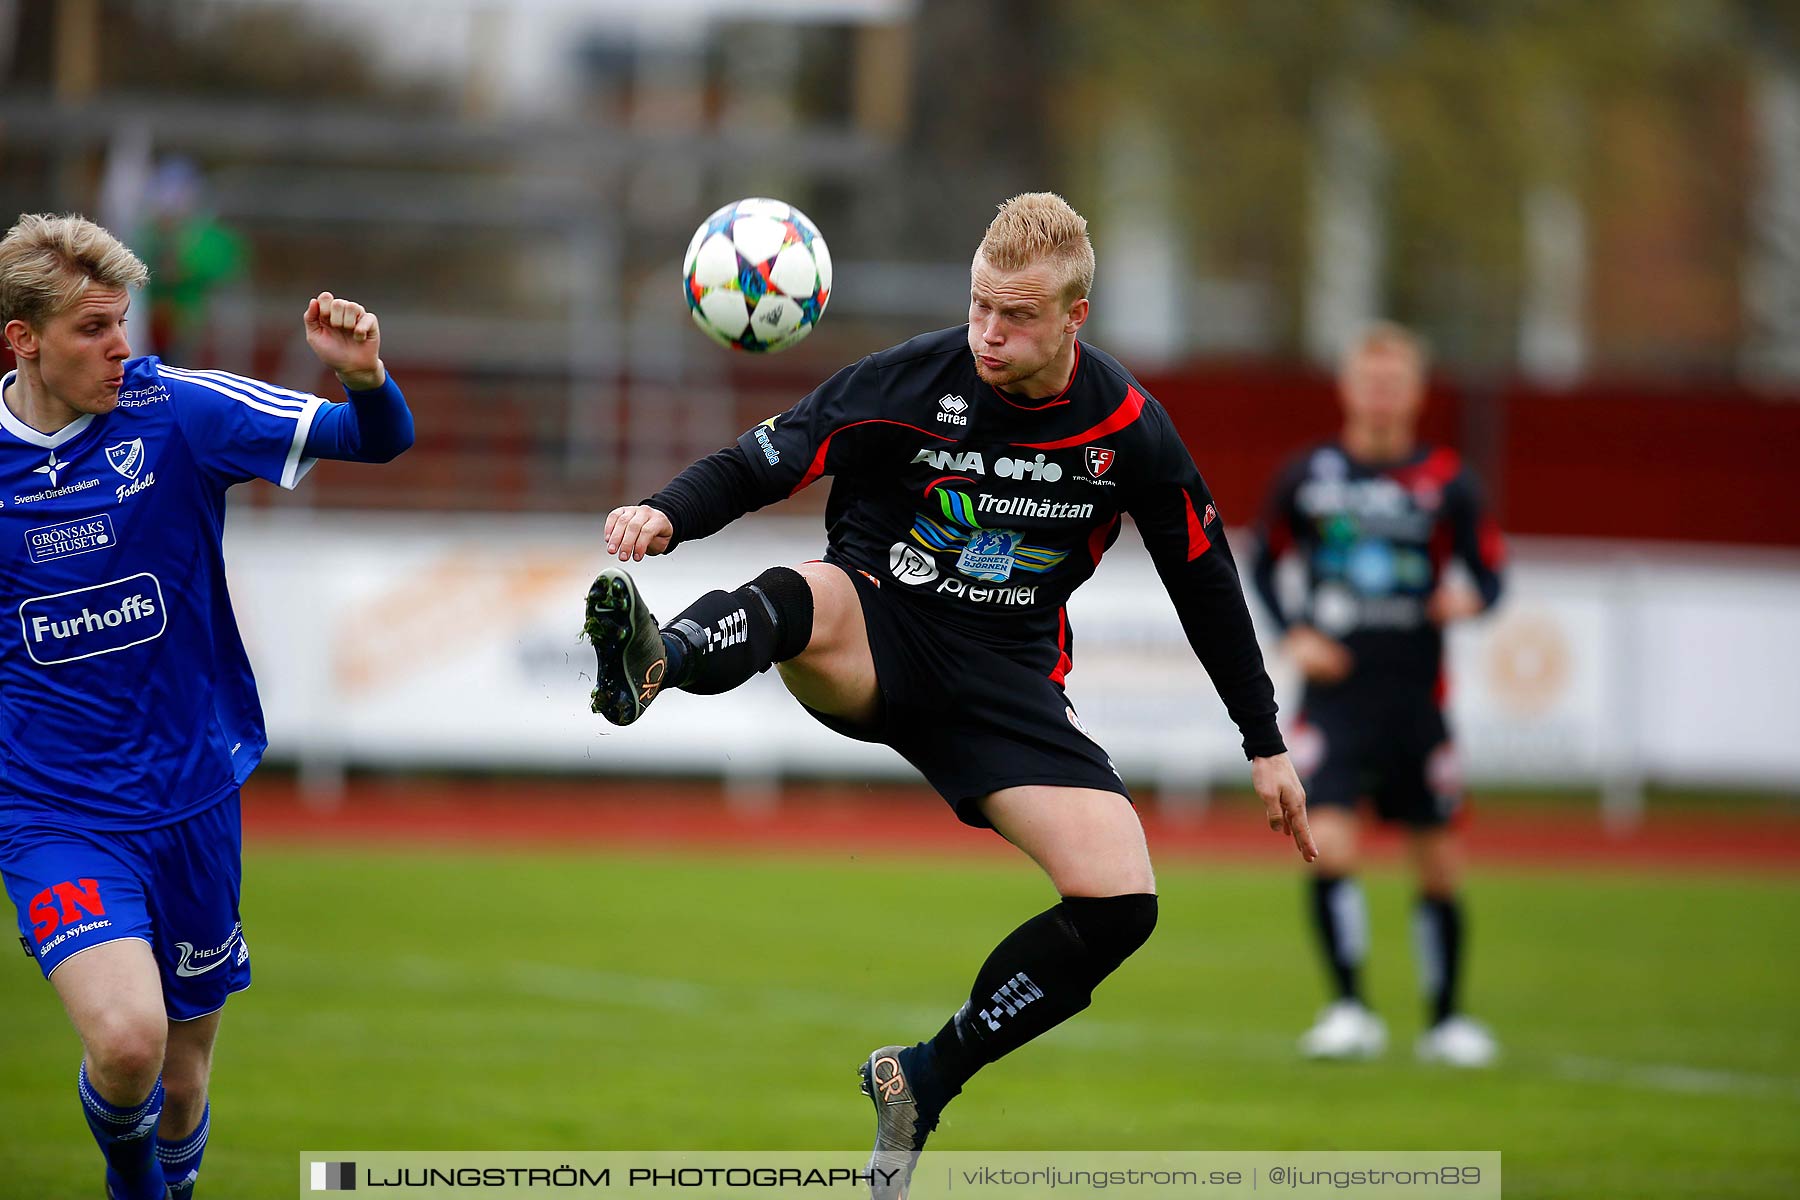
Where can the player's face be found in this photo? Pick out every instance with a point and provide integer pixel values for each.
(82, 350)
(1020, 330)
(1382, 384)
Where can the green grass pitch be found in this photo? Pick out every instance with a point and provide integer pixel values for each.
(424, 1000)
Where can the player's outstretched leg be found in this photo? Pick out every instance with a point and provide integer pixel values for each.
(901, 1123)
(628, 646)
(1043, 973)
(1039, 976)
(712, 646)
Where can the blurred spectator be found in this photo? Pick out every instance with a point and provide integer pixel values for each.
(194, 261)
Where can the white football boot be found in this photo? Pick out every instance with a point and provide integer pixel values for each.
(1458, 1042)
(1345, 1030)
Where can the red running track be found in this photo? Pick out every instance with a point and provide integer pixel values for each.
(852, 819)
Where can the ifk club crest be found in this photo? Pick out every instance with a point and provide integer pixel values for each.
(127, 458)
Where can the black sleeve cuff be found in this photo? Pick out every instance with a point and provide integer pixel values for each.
(708, 496)
(1264, 743)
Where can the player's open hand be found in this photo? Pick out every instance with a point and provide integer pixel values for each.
(347, 338)
(637, 530)
(1284, 801)
(1321, 659)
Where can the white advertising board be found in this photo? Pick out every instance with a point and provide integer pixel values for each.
(454, 641)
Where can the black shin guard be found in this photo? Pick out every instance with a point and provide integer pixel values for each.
(1041, 975)
(726, 637)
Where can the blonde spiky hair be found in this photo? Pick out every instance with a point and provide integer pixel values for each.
(1040, 227)
(48, 262)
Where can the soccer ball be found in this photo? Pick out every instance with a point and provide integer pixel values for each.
(757, 275)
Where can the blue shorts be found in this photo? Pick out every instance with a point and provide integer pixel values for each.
(175, 887)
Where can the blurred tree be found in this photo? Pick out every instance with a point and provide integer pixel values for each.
(986, 74)
(205, 48)
(1480, 107)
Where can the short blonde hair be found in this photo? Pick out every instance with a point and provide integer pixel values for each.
(1391, 335)
(1040, 227)
(48, 262)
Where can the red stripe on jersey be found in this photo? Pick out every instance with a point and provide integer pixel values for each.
(1125, 414)
(1198, 542)
(1053, 401)
(1492, 544)
(947, 479)
(1063, 663)
(1097, 540)
(1439, 467)
(817, 466)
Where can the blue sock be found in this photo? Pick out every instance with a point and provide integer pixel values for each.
(181, 1160)
(127, 1137)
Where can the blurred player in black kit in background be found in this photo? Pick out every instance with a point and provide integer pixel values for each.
(979, 473)
(1375, 517)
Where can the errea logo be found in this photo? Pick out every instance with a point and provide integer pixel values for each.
(953, 410)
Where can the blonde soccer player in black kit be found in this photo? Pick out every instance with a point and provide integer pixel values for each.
(979, 474)
(1375, 516)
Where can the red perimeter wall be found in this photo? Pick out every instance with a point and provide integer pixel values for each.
(1709, 464)
(1700, 463)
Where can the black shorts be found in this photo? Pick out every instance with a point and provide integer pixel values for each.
(1391, 745)
(972, 716)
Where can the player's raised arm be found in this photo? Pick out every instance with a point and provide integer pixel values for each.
(376, 426)
(347, 338)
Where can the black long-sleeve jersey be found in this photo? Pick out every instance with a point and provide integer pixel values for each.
(1375, 538)
(988, 510)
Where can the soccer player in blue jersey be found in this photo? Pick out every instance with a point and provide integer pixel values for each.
(128, 715)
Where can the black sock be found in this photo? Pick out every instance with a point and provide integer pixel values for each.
(723, 638)
(1041, 975)
(1438, 932)
(1342, 921)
